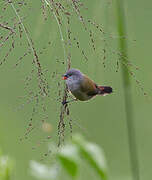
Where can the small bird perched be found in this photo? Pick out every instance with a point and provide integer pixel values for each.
(82, 87)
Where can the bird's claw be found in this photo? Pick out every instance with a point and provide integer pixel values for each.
(64, 102)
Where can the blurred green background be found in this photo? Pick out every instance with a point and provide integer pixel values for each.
(101, 120)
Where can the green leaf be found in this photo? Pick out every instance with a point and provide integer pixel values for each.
(42, 171)
(68, 157)
(6, 165)
(93, 154)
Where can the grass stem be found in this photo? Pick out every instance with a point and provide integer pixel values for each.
(121, 27)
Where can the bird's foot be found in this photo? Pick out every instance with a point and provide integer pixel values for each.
(64, 102)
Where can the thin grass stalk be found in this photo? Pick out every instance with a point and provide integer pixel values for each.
(121, 28)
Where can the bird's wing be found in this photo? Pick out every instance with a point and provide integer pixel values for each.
(88, 86)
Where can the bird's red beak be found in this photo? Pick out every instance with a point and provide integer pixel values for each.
(64, 78)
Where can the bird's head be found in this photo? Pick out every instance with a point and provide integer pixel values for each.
(72, 74)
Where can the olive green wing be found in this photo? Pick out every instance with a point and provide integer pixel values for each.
(89, 87)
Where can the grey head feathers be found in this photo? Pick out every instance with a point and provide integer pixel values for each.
(72, 72)
(74, 79)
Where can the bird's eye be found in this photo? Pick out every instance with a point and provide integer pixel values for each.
(66, 75)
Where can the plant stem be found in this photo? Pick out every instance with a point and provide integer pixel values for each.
(24, 29)
(60, 31)
(121, 27)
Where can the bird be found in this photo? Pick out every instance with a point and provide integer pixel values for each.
(82, 87)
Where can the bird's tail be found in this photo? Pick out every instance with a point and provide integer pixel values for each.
(104, 90)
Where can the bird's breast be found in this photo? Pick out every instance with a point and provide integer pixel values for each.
(73, 85)
(76, 89)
